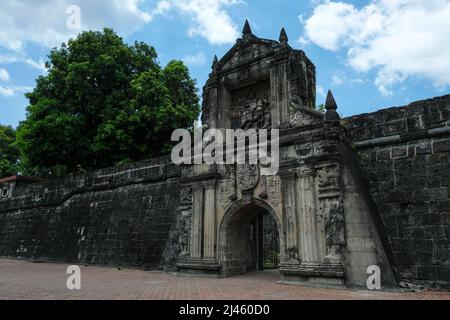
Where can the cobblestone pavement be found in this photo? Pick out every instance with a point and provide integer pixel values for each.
(25, 280)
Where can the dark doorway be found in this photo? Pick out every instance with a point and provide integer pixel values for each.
(251, 242)
(269, 244)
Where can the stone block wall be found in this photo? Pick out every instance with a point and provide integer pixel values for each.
(115, 216)
(405, 155)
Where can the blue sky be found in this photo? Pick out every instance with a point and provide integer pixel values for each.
(372, 54)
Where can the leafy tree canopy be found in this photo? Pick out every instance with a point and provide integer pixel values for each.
(102, 103)
(9, 155)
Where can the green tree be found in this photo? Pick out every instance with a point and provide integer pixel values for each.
(102, 103)
(9, 154)
(321, 108)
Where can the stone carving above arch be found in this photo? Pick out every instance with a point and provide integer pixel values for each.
(226, 171)
(247, 176)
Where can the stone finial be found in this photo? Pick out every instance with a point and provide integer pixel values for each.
(330, 103)
(331, 106)
(247, 30)
(215, 62)
(283, 37)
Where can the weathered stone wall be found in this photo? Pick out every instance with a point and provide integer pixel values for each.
(405, 155)
(116, 216)
(128, 215)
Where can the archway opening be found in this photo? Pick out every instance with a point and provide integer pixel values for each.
(251, 241)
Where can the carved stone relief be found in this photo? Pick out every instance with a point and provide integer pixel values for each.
(335, 230)
(186, 195)
(274, 190)
(245, 52)
(250, 107)
(312, 149)
(331, 210)
(228, 174)
(247, 177)
(299, 115)
(184, 225)
(299, 118)
(226, 171)
(225, 192)
(328, 177)
(304, 150)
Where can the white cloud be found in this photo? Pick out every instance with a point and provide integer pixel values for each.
(337, 80)
(386, 78)
(36, 65)
(210, 19)
(341, 78)
(4, 75)
(162, 7)
(45, 22)
(398, 38)
(198, 59)
(13, 91)
(19, 58)
(6, 92)
(320, 91)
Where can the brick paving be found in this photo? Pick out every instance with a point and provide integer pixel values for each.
(25, 280)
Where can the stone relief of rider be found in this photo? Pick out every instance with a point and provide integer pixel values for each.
(256, 116)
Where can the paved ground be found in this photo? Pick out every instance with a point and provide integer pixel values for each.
(25, 280)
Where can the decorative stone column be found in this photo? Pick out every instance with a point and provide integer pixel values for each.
(279, 89)
(197, 221)
(201, 255)
(209, 238)
(184, 219)
(314, 225)
(331, 206)
(307, 221)
(293, 252)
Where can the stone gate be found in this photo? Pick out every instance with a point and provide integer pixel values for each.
(371, 189)
(326, 232)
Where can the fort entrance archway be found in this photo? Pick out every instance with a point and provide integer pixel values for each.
(249, 239)
(323, 231)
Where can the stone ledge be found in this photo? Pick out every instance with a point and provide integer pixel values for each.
(199, 265)
(307, 270)
(313, 275)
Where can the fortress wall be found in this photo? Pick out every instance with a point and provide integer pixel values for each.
(405, 155)
(115, 216)
(128, 215)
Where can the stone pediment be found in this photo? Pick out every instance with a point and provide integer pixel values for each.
(253, 84)
(246, 51)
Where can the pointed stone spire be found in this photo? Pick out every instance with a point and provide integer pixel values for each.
(331, 106)
(247, 30)
(283, 37)
(215, 62)
(330, 103)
